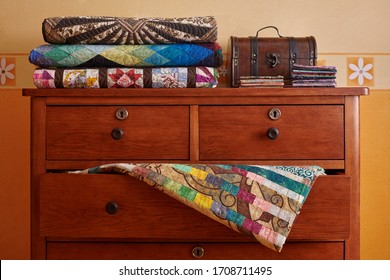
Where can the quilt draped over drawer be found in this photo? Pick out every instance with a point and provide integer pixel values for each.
(259, 201)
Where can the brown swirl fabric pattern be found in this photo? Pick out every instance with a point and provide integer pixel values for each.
(128, 31)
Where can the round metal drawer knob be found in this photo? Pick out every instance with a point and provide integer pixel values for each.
(117, 133)
(197, 252)
(272, 133)
(112, 207)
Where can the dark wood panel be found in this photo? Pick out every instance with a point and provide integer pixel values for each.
(182, 251)
(202, 92)
(150, 132)
(240, 132)
(73, 205)
(352, 155)
(38, 114)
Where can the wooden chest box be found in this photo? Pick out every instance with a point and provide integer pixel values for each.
(267, 56)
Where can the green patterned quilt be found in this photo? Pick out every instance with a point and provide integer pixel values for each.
(260, 201)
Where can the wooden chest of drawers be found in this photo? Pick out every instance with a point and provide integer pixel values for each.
(102, 217)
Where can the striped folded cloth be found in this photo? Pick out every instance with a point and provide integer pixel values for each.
(313, 76)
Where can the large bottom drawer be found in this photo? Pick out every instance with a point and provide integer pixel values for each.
(180, 251)
(74, 205)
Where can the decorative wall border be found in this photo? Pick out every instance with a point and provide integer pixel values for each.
(354, 69)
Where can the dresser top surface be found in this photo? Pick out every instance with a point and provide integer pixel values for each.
(198, 92)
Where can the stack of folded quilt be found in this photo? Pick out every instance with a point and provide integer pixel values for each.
(112, 52)
(261, 81)
(313, 76)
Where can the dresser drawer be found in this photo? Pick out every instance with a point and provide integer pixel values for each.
(183, 251)
(245, 132)
(105, 133)
(118, 206)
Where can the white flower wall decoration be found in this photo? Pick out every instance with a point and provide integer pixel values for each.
(360, 71)
(7, 71)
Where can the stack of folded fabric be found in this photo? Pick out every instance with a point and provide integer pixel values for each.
(313, 76)
(261, 81)
(109, 52)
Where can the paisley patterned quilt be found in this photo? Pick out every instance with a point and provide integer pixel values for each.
(128, 31)
(175, 55)
(170, 77)
(260, 201)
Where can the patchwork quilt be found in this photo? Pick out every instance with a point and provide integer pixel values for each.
(175, 55)
(128, 31)
(260, 201)
(170, 77)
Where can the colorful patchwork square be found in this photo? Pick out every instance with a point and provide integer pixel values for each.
(203, 201)
(219, 210)
(44, 78)
(235, 217)
(125, 78)
(246, 196)
(205, 75)
(81, 78)
(169, 77)
(188, 193)
(252, 226)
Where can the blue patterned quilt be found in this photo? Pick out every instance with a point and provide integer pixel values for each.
(170, 55)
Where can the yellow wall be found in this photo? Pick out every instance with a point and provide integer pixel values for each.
(345, 31)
